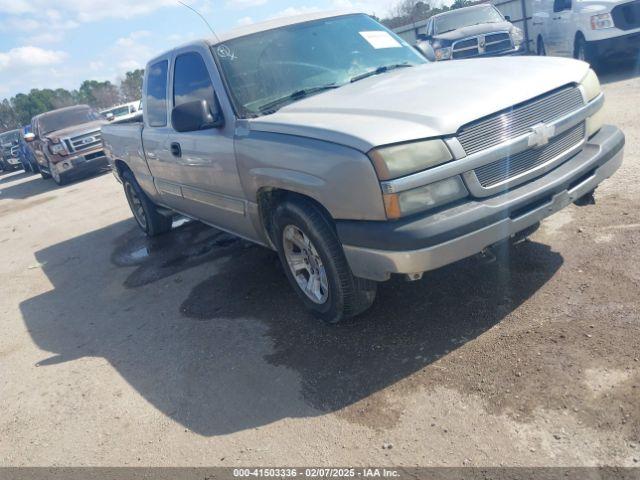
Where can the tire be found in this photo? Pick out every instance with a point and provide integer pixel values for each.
(541, 49)
(45, 175)
(144, 210)
(308, 245)
(60, 179)
(582, 51)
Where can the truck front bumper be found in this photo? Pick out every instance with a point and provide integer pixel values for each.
(623, 46)
(80, 165)
(375, 250)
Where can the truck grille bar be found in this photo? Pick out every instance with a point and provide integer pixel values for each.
(627, 15)
(508, 168)
(490, 43)
(518, 120)
(85, 141)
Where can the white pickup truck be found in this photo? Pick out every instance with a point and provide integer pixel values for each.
(589, 30)
(332, 141)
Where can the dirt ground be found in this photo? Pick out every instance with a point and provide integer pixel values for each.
(193, 350)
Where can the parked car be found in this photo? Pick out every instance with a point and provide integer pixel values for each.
(477, 31)
(67, 143)
(27, 157)
(123, 112)
(10, 151)
(590, 30)
(354, 164)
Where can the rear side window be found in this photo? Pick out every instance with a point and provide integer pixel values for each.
(561, 5)
(191, 80)
(157, 94)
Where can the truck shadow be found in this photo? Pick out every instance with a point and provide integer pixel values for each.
(206, 328)
(617, 71)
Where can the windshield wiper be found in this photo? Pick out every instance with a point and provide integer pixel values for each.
(379, 70)
(292, 97)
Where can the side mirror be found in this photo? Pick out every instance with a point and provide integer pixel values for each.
(427, 50)
(29, 137)
(196, 115)
(110, 116)
(507, 18)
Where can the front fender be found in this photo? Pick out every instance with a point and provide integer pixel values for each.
(340, 178)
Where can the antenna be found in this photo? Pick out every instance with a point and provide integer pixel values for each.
(201, 16)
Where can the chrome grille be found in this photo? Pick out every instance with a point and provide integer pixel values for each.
(86, 141)
(498, 172)
(627, 15)
(490, 43)
(518, 120)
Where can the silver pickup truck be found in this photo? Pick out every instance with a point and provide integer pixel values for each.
(332, 141)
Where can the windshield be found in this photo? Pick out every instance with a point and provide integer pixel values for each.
(10, 138)
(292, 62)
(67, 118)
(464, 18)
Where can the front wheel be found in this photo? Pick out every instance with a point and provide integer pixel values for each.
(582, 51)
(58, 177)
(315, 264)
(149, 219)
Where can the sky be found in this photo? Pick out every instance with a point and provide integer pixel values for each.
(60, 43)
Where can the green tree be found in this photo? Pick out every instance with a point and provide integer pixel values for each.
(131, 86)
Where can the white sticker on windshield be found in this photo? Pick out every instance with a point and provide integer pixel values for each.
(380, 39)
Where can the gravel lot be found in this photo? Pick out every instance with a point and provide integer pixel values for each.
(193, 350)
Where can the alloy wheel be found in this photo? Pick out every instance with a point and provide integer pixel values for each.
(136, 205)
(305, 264)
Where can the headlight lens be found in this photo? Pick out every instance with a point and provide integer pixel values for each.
(399, 205)
(400, 160)
(517, 36)
(443, 53)
(592, 89)
(599, 22)
(58, 149)
(591, 85)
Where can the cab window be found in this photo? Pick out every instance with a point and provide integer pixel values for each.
(561, 5)
(157, 94)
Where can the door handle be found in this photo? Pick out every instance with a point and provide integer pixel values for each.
(176, 151)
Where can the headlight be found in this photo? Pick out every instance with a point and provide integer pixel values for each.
(58, 149)
(443, 53)
(400, 160)
(592, 89)
(399, 205)
(591, 85)
(604, 20)
(517, 36)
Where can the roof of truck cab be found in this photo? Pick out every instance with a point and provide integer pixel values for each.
(462, 9)
(276, 23)
(64, 109)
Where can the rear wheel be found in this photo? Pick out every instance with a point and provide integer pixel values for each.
(144, 210)
(315, 263)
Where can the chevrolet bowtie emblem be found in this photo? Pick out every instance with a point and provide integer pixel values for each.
(540, 135)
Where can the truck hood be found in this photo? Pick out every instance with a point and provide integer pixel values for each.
(74, 130)
(473, 30)
(430, 100)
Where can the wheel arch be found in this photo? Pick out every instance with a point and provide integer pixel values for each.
(268, 199)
